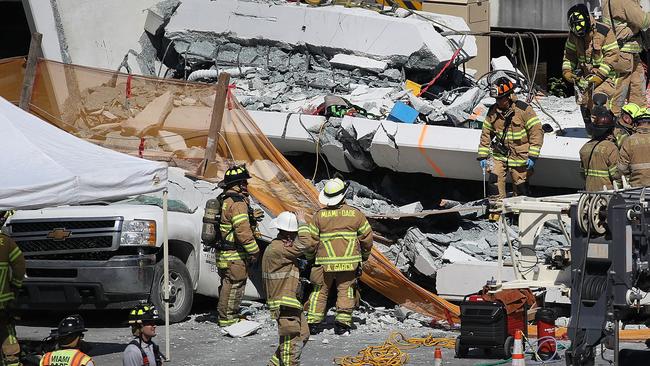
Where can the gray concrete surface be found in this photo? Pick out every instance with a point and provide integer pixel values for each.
(198, 340)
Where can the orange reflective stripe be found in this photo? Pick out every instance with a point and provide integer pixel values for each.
(76, 360)
(46, 359)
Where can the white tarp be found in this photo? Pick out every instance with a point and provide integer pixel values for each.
(43, 166)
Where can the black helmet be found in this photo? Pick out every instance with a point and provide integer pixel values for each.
(579, 20)
(144, 313)
(235, 174)
(604, 121)
(501, 87)
(73, 324)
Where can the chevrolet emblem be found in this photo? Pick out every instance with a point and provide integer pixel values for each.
(59, 234)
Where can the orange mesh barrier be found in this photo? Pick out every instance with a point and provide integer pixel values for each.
(168, 120)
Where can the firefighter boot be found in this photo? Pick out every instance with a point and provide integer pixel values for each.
(586, 118)
(341, 329)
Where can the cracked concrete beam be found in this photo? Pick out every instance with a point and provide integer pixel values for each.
(334, 29)
(383, 149)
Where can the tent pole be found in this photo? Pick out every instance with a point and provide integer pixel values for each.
(35, 52)
(216, 119)
(166, 274)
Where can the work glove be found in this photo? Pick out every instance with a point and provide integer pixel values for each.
(595, 80)
(483, 163)
(582, 83)
(258, 214)
(530, 163)
(569, 76)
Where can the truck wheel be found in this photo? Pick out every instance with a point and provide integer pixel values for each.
(181, 293)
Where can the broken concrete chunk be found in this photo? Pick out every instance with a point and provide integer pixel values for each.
(151, 117)
(194, 152)
(411, 208)
(454, 255)
(358, 62)
(459, 111)
(171, 141)
(242, 328)
(189, 118)
(425, 263)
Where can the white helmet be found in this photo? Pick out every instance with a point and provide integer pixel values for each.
(333, 192)
(286, 221)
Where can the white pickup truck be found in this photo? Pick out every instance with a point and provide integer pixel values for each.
(109, 255)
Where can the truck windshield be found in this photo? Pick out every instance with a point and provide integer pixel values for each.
(173, 205)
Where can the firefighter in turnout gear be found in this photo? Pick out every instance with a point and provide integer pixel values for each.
(625, 124)
(629, 20)
(238, 247)
(599, 156)
(590, 58)
(69, 337)
(280, 271)
(12, 267)
(142, 351)
(634, 160)
(513, 134)
(341, 241)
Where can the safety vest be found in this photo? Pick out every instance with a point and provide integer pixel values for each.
(65, 357)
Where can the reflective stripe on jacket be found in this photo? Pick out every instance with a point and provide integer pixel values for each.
(281, 274)
(342, 236)
(629, 20)
(236, 230)
(599, 161)
(65, 357)
(634, 158)
(596, 52)
(12, 269)
(523, 139)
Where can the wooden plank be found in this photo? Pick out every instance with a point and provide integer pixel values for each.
(35, 52)
(217, 118)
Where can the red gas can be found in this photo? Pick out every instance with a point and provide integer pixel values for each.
(545, 319)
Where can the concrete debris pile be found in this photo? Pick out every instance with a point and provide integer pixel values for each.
(286, 56)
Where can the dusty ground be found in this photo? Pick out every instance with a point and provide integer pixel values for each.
(198, 341)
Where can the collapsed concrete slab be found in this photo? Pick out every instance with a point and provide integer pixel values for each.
(446, 152)
(352, 62)
(411, 41)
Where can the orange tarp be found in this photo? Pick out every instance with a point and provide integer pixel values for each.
(99, 105)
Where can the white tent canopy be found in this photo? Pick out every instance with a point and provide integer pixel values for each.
(43, 166)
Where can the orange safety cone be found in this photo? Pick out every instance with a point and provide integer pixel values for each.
(437, 357)
(518, 351)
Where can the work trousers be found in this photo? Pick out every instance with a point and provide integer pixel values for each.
(293, 333)
(233, 284)
(630, 86)
(499, 173)
(345, 298)
(10, 346)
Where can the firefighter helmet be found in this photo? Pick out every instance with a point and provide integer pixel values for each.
(71, 325)
(334, 192)
(604, 121)
(502, 87)
(235, 174)
(579, 20)
(642, 117)
(286, 221)
(144, 313)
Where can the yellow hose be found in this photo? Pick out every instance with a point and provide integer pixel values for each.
(391, 353)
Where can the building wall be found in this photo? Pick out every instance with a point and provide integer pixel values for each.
(543, 15)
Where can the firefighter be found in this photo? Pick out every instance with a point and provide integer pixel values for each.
(341, 241)
(599, 156)
(629, 20)
(69, 339)
(280, 271)
(625, 124)
(513, 134)
(238, 248)
(142, 351)
(634, 157)
(590, 56)
(12, 268)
